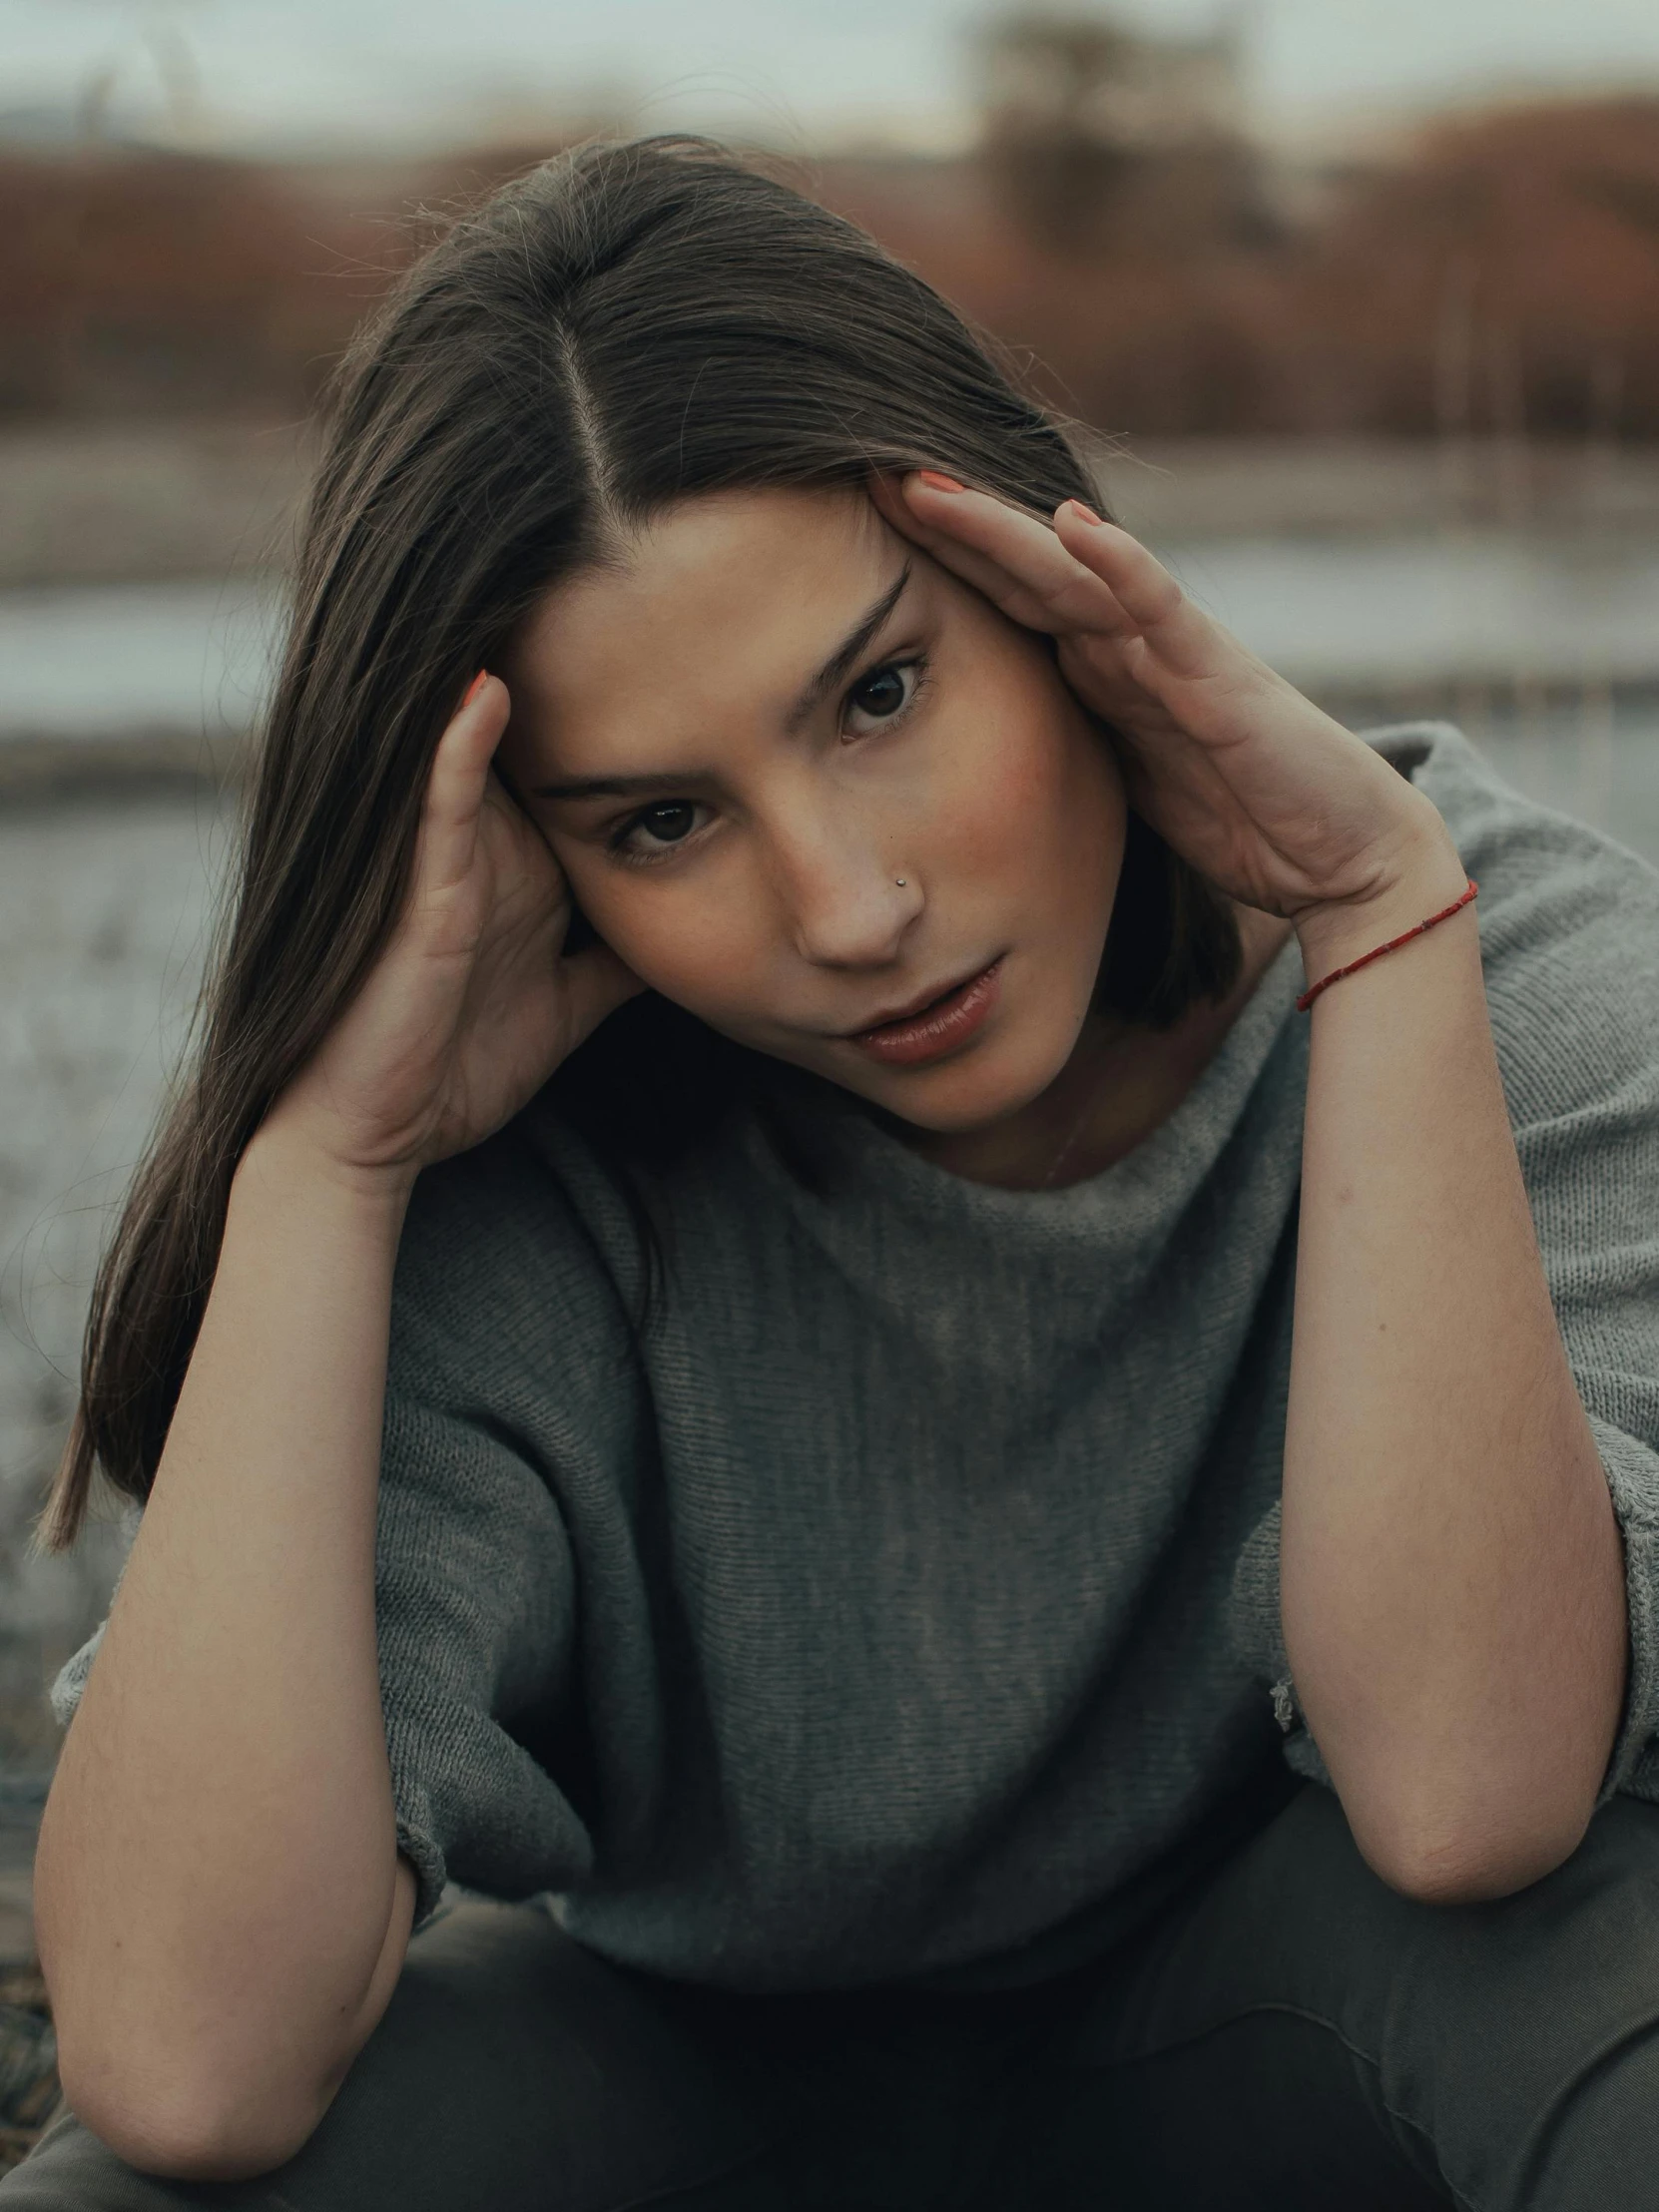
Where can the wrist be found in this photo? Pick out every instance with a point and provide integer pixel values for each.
(284, 1160)
(1424, 879)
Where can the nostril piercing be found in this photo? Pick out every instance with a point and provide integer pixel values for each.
(901, 881)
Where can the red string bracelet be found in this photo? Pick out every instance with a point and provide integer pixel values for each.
(1324, 982)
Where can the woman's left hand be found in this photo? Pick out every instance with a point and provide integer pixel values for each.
(1263, 793)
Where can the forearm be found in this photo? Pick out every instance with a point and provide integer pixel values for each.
(1452, 1578)
(216, 1877)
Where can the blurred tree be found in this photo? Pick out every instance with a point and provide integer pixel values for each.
(1502, 275)
(1504, 278)
(1100, 137)
(154, 55)
(145, 282)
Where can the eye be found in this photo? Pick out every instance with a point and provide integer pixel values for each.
(669, 822)
(885, 692)
(656, 828)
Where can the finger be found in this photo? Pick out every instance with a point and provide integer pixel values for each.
(1186, 640)
(1066, 593)
(457, 782)
(985, 574)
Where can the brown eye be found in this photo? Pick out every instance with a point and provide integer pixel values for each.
(655, 831)
(880, 694)
(883, 696)
(669, 822)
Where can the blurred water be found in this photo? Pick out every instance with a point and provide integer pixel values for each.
(1364, 614)
(106, 660)
(1358, 615)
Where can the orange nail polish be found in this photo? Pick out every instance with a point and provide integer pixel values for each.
(476, 685)
(936, 482)
(1088, 514)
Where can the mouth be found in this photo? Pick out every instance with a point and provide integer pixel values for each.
(937, 1025)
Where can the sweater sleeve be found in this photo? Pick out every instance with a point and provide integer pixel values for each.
(1569, 925)
(474, 1608)
(506, 1413)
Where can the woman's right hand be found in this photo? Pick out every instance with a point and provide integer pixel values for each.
(470, 1008)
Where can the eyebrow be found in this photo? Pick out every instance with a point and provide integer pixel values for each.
(812, 697)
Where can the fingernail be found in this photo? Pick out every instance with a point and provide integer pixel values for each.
(1087, 513)
(936, 482)
(476, 685)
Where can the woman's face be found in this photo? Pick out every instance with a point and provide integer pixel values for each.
(807, 784)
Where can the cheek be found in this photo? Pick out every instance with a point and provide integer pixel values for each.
(1036, 805)
(698, 949)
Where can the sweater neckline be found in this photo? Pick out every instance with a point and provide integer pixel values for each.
(856, 1149)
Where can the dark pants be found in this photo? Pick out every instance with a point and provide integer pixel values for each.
(1293, 2037)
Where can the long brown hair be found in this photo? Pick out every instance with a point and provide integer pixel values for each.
(623, 326)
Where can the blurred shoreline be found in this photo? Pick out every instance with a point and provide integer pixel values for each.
(110, 501)
(102, 502)
(1476, 578)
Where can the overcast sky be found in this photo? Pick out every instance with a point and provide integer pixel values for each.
(783, 67)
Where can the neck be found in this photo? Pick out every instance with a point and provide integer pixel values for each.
(1120, 1084)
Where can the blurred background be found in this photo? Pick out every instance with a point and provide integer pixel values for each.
(1359, 298)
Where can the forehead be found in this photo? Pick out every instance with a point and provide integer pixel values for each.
(723, 605)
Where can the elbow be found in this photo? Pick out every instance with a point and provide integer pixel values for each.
(1470, 1860)
(224, 2102)
(186, 2130)
(1453, 1821)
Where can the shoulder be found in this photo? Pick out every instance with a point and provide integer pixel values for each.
(505, 1264)
(1569, 930)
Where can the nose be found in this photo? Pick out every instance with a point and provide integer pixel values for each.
(843, 895)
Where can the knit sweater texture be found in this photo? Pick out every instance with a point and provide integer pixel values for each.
(899, 1602)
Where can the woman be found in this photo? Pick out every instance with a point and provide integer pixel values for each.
(813, 1559)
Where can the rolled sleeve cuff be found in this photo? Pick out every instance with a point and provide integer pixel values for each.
(71, 1678)
(431, 1873)
(1632, 1470)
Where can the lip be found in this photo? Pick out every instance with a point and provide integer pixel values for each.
(935, 1026)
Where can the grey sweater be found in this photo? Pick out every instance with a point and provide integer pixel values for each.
(902, 1602)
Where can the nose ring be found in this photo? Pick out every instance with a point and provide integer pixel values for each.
(901, 881)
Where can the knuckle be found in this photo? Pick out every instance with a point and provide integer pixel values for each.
(1072, 603)
(1164, 596)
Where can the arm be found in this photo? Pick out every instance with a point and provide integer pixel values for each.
(1453, 1576)
(1453, 1591)
(222, 1911)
